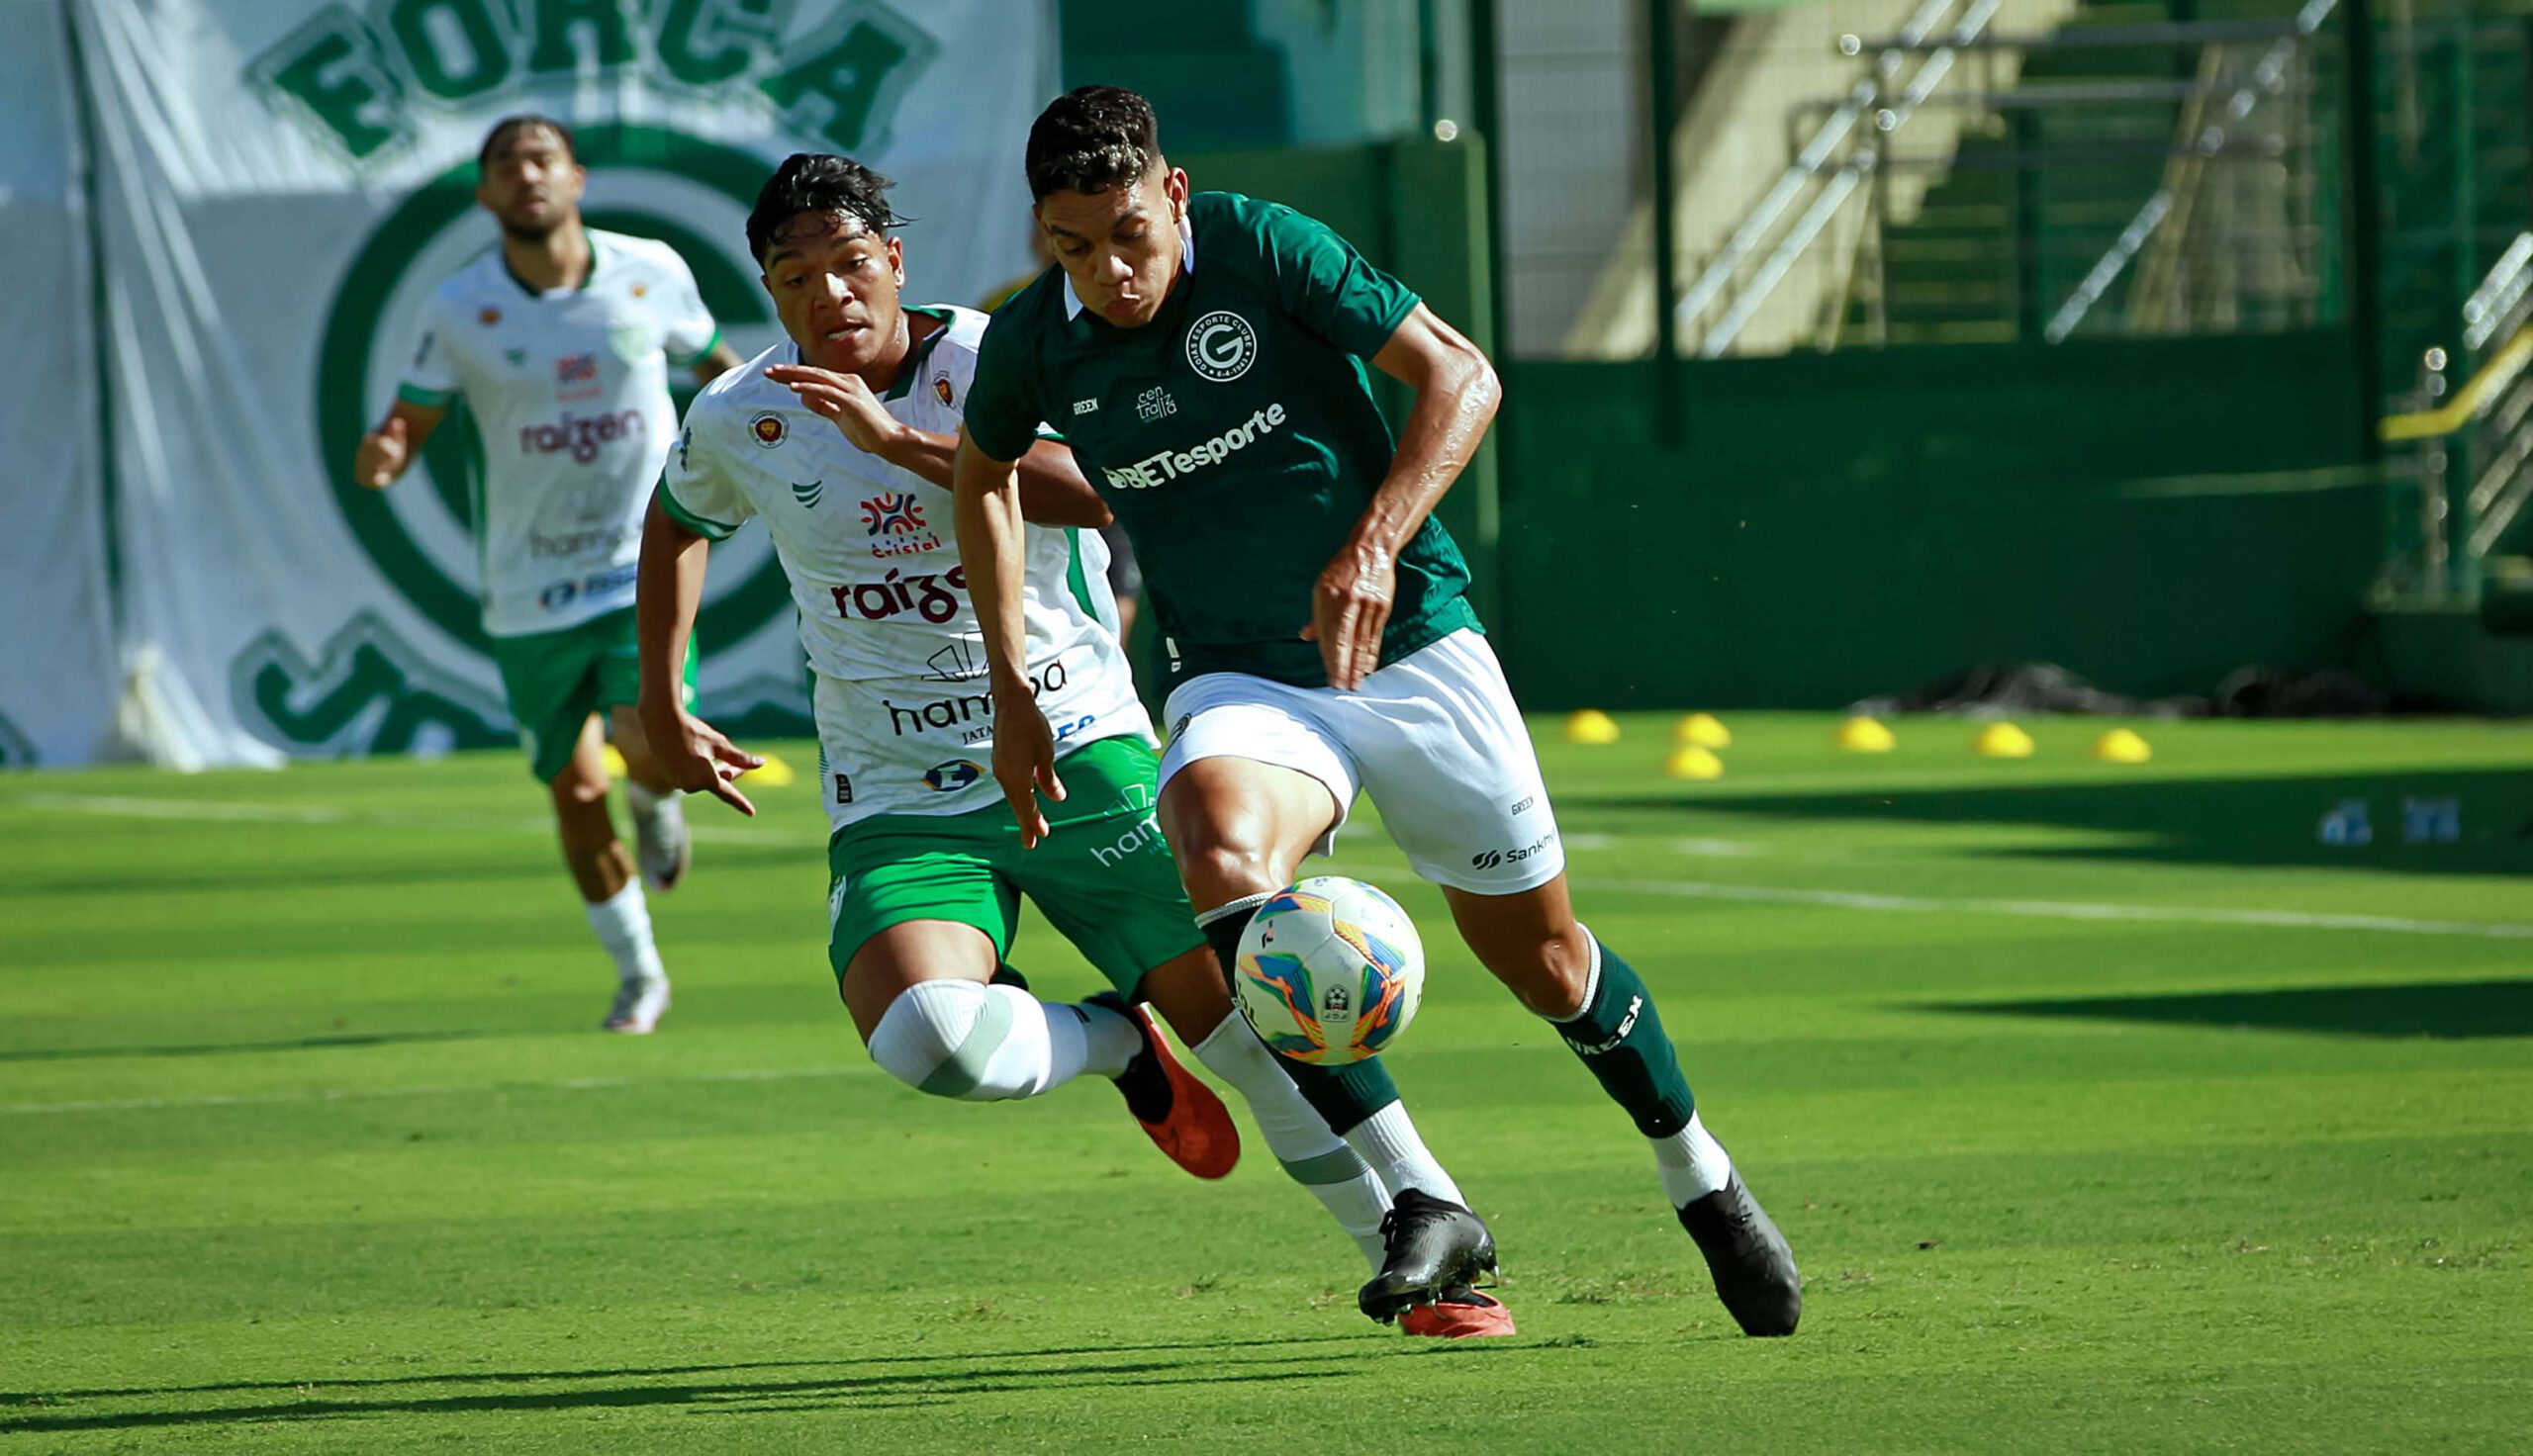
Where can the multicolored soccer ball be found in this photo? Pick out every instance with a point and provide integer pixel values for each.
(1330, 971)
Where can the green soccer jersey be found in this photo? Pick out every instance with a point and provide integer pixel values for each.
(1233, 436)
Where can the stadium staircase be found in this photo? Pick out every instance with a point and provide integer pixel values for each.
(2036, 197)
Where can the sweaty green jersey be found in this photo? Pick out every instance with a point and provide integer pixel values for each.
(1233, 436)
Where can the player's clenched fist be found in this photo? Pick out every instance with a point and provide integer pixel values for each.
(384, 454)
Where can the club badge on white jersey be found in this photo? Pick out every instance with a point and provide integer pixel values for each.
(904, 711)
(569, 389)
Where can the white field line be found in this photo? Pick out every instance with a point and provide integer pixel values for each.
(2061, 909)
(370, 1094)
(239, 811)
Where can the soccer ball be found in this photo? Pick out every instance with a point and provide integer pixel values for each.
(1330, 971)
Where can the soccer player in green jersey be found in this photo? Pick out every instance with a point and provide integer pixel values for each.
(560, 340)
(1204, 355)
(840, 440)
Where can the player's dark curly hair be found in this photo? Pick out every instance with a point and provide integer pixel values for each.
(511, 126)
(1089, 139)
(820, 183)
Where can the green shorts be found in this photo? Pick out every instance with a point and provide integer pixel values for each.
(556, 679)
(1103, 877)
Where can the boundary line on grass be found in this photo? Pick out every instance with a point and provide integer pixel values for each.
(2061, 909)
(370, 1094)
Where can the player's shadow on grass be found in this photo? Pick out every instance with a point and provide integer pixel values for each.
(235, 1048)
(2456, 1010)
(2214, 821)
(742, 1390)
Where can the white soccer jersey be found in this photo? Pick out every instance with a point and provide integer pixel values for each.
(570, 390)
(904, 711)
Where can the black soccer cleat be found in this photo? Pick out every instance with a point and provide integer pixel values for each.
(1753, 1269)
(1427, 1246)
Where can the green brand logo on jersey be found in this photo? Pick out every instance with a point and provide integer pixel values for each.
(652, 178)
(810, 494)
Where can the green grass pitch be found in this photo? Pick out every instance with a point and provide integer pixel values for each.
(2106, 1108)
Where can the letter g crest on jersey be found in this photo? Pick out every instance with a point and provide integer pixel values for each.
(1221, 346)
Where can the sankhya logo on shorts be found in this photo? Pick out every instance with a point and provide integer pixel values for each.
(1498, 859)
(1221, 346)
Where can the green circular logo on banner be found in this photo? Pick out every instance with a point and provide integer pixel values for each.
(352, 331)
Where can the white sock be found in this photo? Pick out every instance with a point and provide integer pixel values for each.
(986, 1044)
(624, 926)
(1692, 1163)
(1311, 1156)
(1389, 1141)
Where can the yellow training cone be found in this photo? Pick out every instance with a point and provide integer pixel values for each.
(772, 774)
(1864, 736)
(2002, 741)
(2121, 746)
(1704, 730)
(615, 763)
(1694, 761)
(1591, 726)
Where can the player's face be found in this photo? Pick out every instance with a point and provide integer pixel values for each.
(1120, 247)
(530, 183)
(835, 288)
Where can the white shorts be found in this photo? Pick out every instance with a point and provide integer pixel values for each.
(1433, 738)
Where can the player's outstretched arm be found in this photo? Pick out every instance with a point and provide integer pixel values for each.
(388, 451)
(668, 588)
(1053, 491)
(1455, 398)
(987, 513)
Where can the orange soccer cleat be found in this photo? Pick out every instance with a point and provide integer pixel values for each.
(1461, 1312)
(1181, 1114)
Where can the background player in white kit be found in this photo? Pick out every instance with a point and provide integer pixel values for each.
(842, 441)
(560, 340)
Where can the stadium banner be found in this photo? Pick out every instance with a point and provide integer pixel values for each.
(57, 677)
(279, 186)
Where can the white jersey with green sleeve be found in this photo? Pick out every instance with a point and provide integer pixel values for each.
(570, 390)
(904, 712)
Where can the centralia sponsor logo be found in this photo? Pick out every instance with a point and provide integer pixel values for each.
(1153, 470)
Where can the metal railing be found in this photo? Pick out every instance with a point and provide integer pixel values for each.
(2232, 234)
(2480, 434)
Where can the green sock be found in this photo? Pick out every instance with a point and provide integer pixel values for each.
(1343, 1096)
(1619, 1035)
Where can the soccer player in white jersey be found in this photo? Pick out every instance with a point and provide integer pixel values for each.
(841, 440)
(560, 340)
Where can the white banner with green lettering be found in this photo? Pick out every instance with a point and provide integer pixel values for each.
(222, 218)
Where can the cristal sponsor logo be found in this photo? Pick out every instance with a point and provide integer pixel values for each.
(808, 493)
(1153, 470)
(1221, 346)
(581, 435)
(935, 597)
(1627, 1024)
(574, 368)
(897, 514)
(954, 775)
(967, 710)
(1497, 859)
